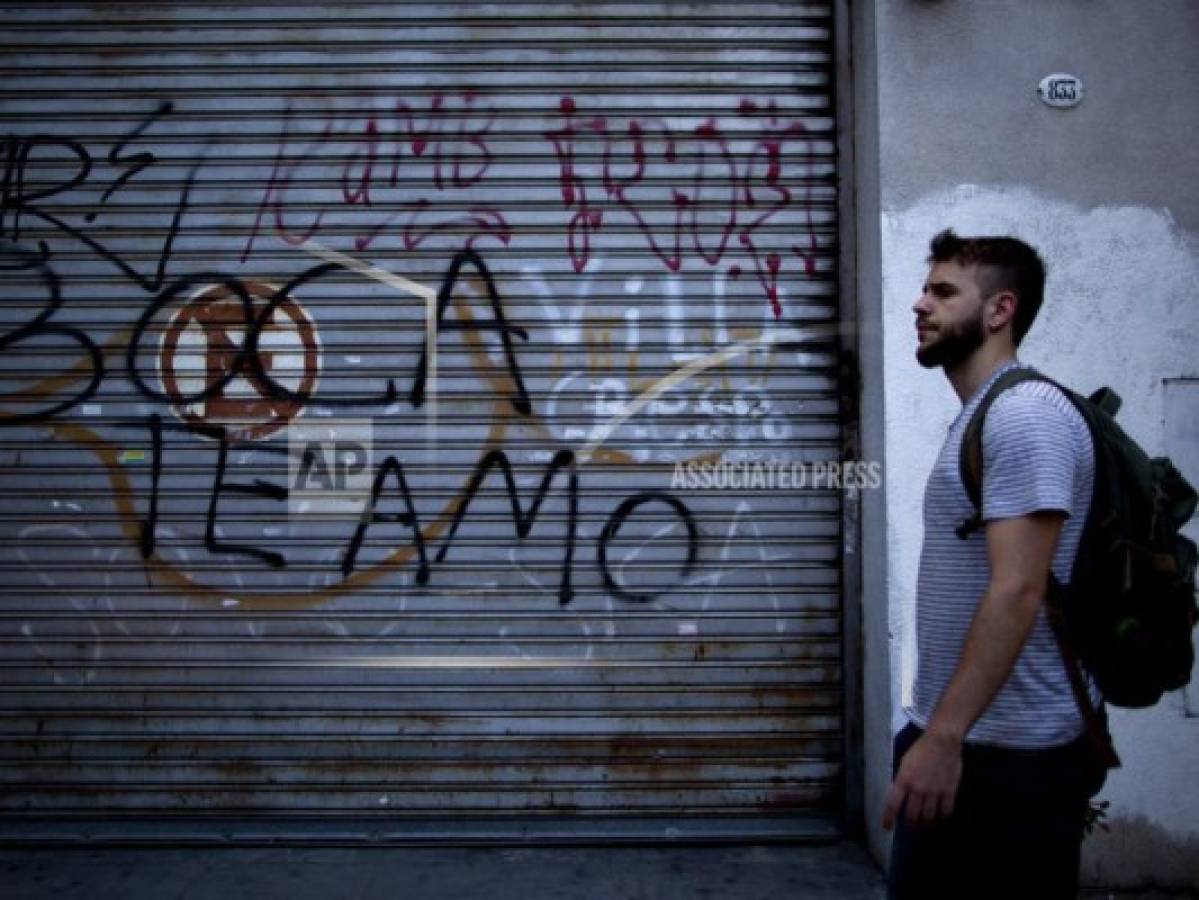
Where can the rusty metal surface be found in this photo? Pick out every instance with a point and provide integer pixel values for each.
(551, 254)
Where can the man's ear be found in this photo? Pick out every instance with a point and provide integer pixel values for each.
(1003, 310)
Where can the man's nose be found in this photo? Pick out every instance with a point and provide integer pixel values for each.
(922, 305)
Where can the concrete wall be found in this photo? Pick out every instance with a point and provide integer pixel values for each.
(1105, 191)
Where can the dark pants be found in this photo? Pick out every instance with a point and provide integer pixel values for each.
(1015, 831)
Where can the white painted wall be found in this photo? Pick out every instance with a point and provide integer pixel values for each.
(956, 137)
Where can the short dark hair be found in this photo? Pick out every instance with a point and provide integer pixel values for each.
(1005, 264)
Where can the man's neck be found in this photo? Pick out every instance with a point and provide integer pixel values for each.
(972, 373)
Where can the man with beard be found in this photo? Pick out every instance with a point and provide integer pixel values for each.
(994, 770)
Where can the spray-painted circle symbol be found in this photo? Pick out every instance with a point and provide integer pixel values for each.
(203, 346)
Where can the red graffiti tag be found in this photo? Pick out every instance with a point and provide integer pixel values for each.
(399, 173)
(707, 181)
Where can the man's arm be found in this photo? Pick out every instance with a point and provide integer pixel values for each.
(1020, 551)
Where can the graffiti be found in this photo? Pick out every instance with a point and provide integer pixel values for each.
(391, 468)
(618, 518)
(207, 326)
(641, 173)
(100, 609)
(257, 488)
(24, 196)
(519, 395)
(706, 412)
(216, 354)
(250, 307)
(743, 519)
(408, 518)
(220, 303)
(524, 521)
(26, 154)
(721, 408)
(442, 149)
(247, 359)
(15, 263)
(149, 527)
(707, 193)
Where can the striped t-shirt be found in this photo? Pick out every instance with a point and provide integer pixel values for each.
(1037, 456)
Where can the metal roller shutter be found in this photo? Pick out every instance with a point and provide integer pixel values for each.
(498, 268)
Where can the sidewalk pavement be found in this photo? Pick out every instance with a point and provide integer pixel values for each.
(839, 871)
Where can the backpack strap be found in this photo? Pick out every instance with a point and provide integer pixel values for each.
(970, 463)
(1094, 720)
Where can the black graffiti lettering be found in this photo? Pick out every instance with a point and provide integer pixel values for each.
(176, 220)
(218, 320)
(12, 149)
(14, 258)
(237, 361)
(250, 357)
(150, 523)
(146, 284)
(617, 519)
(17, 198)
(258, 488)
(524, 516)
(370, 515)
(95, 363)
(497, 459)
(499, 324)
(137, 161)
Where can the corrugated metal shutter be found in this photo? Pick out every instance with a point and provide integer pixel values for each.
(223, 222)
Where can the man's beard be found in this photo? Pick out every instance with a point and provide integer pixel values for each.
(953, 345)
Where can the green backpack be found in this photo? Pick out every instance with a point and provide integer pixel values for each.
(1128, 612)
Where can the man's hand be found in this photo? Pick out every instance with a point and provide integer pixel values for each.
(1019, 551)
(927, 780)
